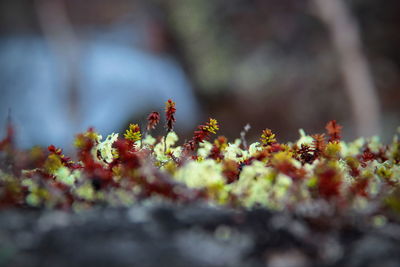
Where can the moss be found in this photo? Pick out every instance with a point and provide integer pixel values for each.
(123, 170)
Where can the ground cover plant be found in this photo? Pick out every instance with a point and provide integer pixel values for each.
(121, 170)
(320, 179)
(124, 169)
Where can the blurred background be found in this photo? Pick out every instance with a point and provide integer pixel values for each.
(66, 65)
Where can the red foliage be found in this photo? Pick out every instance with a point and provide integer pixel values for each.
(267, 137)
(217, 148)
(275, 147)
(305, 154)
(170, 114)
(259, 155)
(164, 186)
(94, 170)
(10, 197)
(329, 181)
(202, 133)
(231, 171)
(66, 161)
(134, 167)
(8, 141)
(127, 155)
(360, 187)
(367, 156)
(318, 144)
(334, 130)
(353, 164)
(290, 170)
(152, 120)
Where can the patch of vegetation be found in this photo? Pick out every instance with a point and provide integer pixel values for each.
(358, 176)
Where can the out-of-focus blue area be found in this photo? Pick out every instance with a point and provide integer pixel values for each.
(115, 81)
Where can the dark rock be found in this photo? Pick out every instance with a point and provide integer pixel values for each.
(191, 235)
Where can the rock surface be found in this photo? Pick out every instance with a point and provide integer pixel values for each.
(192, 235)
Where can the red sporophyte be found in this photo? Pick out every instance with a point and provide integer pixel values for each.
(334, 129)
(267, 137)
(170, 115)
(318, 144)
(152, 120)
